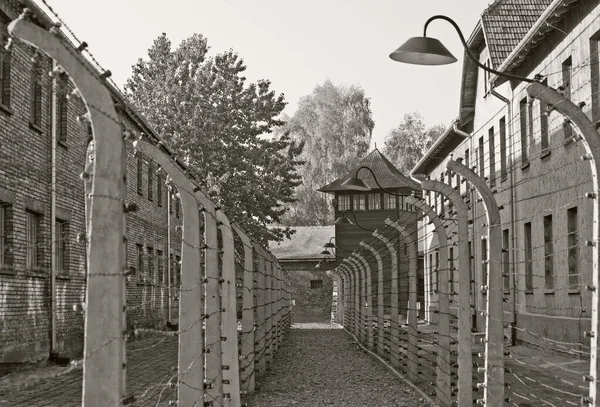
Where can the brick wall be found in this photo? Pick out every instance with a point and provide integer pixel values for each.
(311, 304)
(25, 185)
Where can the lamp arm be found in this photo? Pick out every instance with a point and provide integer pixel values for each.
(377, 182)
(470, 54)
(339, 245)
(355, 221)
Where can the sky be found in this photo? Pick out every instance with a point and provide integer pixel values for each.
(295, 44)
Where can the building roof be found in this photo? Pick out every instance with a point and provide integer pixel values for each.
(306, 244)
(443, 146)
(506, 22)
(388, 176)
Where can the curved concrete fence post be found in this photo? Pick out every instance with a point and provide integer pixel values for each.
(465, 357)
(493, 395)
(247, 341)
(269, 307)
(349, 318)
(412, 331)
(104, 349)
(380, 309)
(587, 129)
(394, 298)
(231, 374)
(212, 302)
(443, 369)
(191, 341)
(368, 290)
(260, 293)
(361, 333)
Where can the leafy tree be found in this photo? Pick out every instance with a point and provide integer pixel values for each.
(406, 144)
(336, 124)
(215, 121)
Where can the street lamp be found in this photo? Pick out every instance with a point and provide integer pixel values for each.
(343, 220)
(430, 51)
(335, 245)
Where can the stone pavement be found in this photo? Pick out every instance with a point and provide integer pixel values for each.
(536, 377)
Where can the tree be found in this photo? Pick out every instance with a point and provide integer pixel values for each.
(336, 124)
(406, 144)
(215, 121)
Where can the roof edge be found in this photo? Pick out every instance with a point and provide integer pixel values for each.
(426, 157)
(555, 5)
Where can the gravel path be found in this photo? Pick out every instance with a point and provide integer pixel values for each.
(320, 365)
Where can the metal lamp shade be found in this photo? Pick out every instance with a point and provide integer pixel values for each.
(423, 51)
(329, 245)
(355, 184)
(342, 220)
(325, 252)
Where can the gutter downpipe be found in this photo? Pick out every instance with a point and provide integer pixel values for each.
(53, 213)
(513, 326)
(475, 305)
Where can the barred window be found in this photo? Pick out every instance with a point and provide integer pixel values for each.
(140, 177)
(62, 103)
(159, 189)
(4, 213)
(36, 93)
(389, 201)
(150, 180)
(61, 237)
(160, 268)
(5, 63)
(343, 202)
(359, 202)
(32, 226)
(151, 271)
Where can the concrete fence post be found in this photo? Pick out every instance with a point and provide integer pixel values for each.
(555, 100)
(380, 308)
(465, 357)
(443, 370)
(230, 363)
(361, 309)
(269, 309)
(394, 298)
(368, 292)
(412, 328)
(191, 340)
(247, 371)
(212, 306)
(494, 330)
(260, 294)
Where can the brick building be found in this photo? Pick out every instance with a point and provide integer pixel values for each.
(39, 122)
(530, 158)
(311, 286)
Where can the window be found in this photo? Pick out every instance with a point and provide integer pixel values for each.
(492, 147)
(159, 193)
(524, 134)
(438, 286)
(544, 125)
(160, 267)
(359, 202)
(441, 212)
(5, 64)
(140, 170)
(375, 201)
(451, 271)
(177, 271)
(32, 226)
(150, 272)
(506, 259)
(573, 249)
(468, 165)
(170, 202)
(150, 181)
(178, 207)
(481, 153)
(548, 253)
(503, 163)
(567, 73)
(486, 78)
(343, 202)
(35, 117)
(61, 238)
(62, 103)
(431, 272)
(315, 284)
(5, 212)
(484, 264)
(389, 201)
(471, 261)
(528, 257)
(140, 262)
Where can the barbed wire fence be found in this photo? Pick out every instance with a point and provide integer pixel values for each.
(539, 265)
(234, 298)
